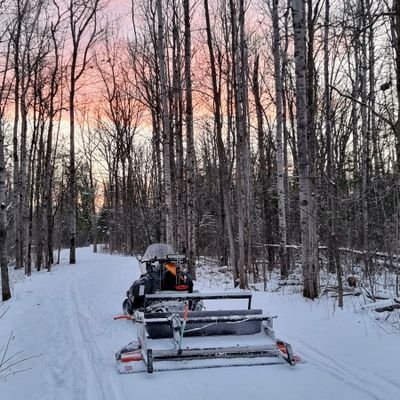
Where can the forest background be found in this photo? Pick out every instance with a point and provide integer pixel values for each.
(260, 133)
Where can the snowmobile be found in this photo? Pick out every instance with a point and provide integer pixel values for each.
(192, 339)
(161, 271)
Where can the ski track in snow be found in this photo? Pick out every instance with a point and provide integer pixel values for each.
(81, 341)
(78, 339)
(65, 358)
(106, 389)
(354, 376)
(76, 357)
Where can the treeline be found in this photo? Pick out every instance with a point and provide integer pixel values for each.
(219, 127)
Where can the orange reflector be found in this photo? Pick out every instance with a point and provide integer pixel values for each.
(123, 317)
(132, 356)
(281, 347)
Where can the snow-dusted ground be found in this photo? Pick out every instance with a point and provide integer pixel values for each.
(65, 318)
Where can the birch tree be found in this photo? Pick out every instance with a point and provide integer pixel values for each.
(5, 283)
(15, 38)
(169, 215)
(4, 95)
(308, 239)
(190, 156)
(395, 20)
(331, 184)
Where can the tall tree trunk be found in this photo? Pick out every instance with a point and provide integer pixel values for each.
(48, 196)
(365, 142)
(310, 289)
(48, 164)
(93, 206)
(246, 130)
(279, 142)
(263, 179)
(190, 152)
(176, 139)
(23, 176)
(396, 45)
(82, 22)
(242, 154)
(72, 168)
(285, 139)
(334, 257)
(16, 169)
(5, 282)
(38, 190)
(312, 15)
(223, 168)
(169, 223)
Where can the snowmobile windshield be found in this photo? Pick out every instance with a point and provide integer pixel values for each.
(153, 252)
(157, 250)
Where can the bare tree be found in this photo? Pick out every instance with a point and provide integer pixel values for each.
(396, 44)
(240, 66)
(310, 276)
(276, 48)
(223, 160)
(331, 184)
(15, 37)
(122, 114)
(84, 31)
(190, 157)
(53, 110)
(5, 283)
(4, 95)
(169, 213)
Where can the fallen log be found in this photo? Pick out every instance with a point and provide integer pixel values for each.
(385, 305)
(390, 308)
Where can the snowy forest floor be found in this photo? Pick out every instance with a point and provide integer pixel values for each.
(63, 320)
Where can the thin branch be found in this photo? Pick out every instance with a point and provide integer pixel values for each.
(6, 364)
(5, 350)
(13, 373)
(9, 366)
(376, 113)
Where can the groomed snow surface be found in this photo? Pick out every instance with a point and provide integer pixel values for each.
(65, 319)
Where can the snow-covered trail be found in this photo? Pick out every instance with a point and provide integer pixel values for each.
(66, 317)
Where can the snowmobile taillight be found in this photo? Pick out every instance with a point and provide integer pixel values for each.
(181, 287)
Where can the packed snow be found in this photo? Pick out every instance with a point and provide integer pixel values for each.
(62, 323)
